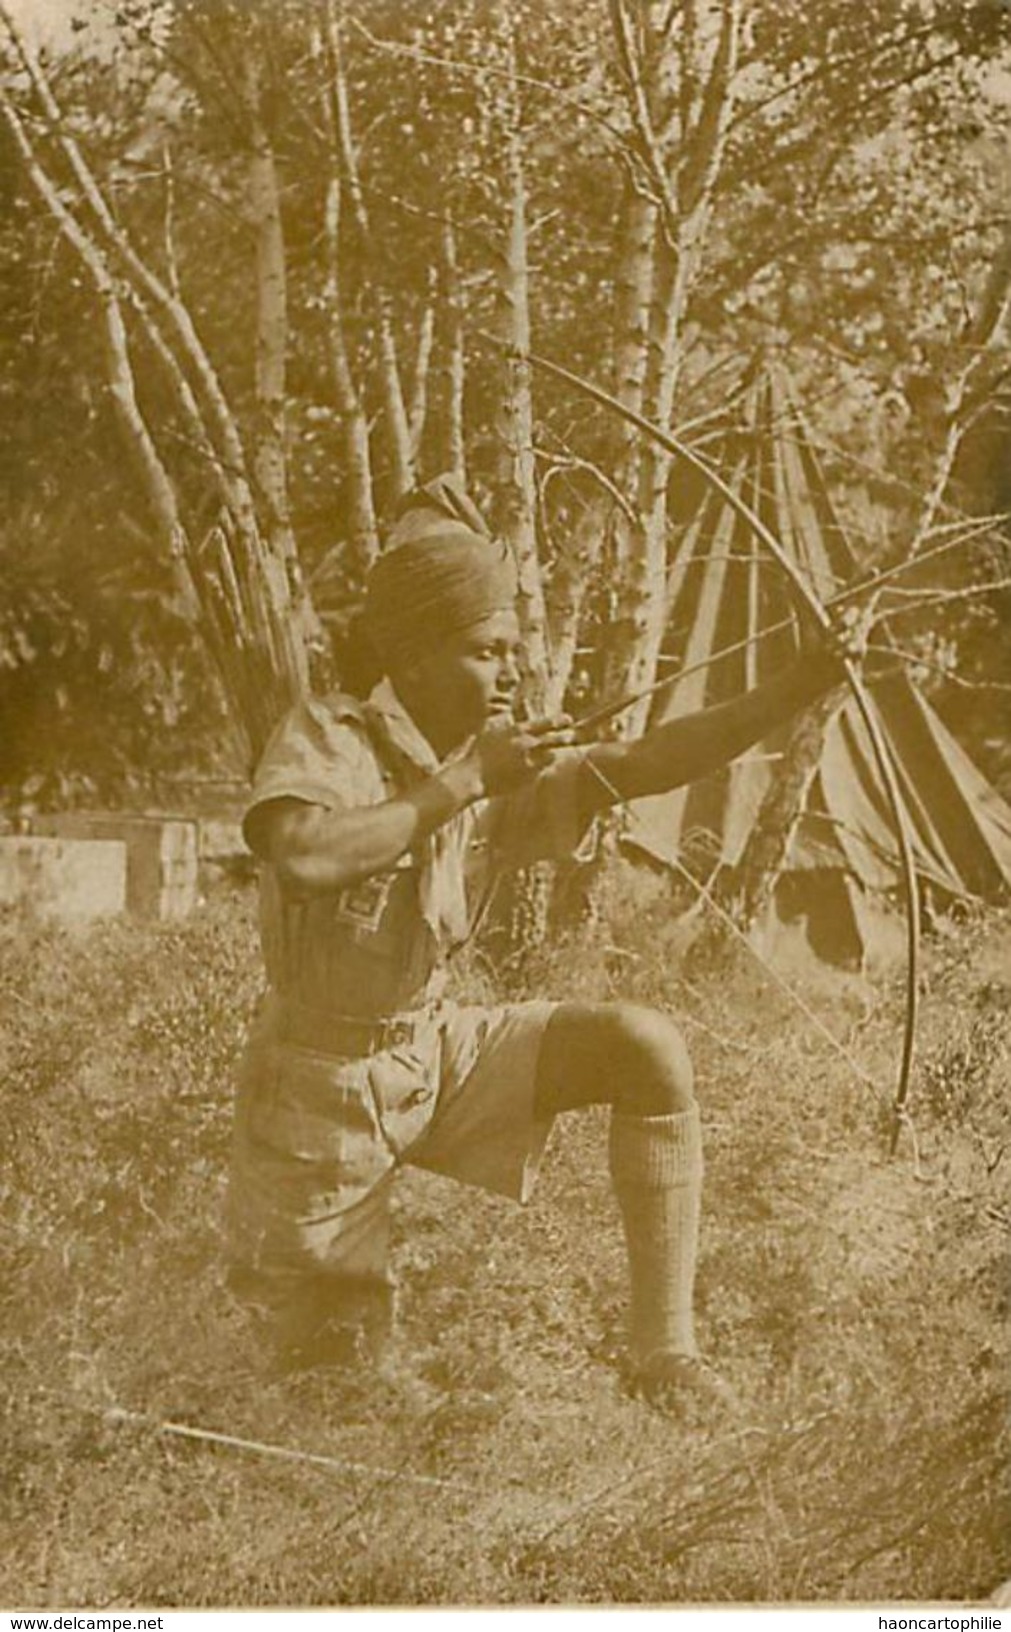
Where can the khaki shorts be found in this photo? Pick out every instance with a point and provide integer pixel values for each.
(318, 1139)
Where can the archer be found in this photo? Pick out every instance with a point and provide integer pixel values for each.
(378, 825)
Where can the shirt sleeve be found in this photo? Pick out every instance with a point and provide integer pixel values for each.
(319, 753)
(548, 820)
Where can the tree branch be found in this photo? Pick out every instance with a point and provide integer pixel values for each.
(389, 367)
(175, 311)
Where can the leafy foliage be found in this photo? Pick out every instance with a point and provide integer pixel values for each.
(103, 688)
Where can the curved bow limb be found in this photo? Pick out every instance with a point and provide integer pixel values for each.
(882, 753)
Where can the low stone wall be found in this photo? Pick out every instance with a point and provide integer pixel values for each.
(220, 839)
(161, 856)
(68, 881)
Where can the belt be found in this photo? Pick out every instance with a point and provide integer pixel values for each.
(345, 1035)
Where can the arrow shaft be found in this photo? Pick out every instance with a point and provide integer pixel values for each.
(607, 711)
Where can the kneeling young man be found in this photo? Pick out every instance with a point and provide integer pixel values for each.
(380, 826)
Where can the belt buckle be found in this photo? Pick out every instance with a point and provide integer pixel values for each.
(396, 1032)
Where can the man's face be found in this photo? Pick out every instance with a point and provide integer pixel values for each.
(472, 678)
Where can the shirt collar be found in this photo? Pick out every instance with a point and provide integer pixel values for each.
(401, 729)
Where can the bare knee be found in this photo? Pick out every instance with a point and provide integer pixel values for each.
(622, 1054)
(655, 1076)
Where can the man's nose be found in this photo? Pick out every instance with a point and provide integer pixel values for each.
(509, 673)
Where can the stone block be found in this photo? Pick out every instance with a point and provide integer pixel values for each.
(221, 840)
(68, 881)
(161, 851)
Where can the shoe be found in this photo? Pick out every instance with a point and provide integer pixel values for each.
(322, 1320)
(682, 1386)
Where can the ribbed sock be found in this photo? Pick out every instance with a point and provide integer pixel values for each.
(656, 1169)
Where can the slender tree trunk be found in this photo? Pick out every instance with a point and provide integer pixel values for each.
(634, 293)
(456, 365)
(394, 409)
(269, 437)
(525, 902)
(362, 529)
(765, 855)
(168, 222)
(262, 656)
(515, 419)
(271, 345)
(639, 551)
(634, 284)
(680, 97)
(418, 415)
(140, 444)
(401, 458)
(575, 557)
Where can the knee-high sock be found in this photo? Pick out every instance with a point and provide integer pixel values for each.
(656, 1170)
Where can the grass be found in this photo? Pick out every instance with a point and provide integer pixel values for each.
(856, 1306)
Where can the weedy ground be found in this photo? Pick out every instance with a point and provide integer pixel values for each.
(857, 1306)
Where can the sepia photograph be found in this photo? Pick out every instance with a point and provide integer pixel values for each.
(505, 803)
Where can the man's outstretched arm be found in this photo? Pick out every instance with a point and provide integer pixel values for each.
(692, 747)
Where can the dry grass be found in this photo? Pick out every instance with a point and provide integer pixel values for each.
(857, 1308)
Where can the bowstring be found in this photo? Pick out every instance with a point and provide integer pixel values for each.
(727, 919)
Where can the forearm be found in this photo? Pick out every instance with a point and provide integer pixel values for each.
(316, 850)
(692, 747)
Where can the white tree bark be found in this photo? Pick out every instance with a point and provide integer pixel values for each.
(262, 653)
(456, 364)
(680, 93)
(418, 415)
(517, 488)
(270, 453)
(394, 407)
(363, 532)
(122, 389)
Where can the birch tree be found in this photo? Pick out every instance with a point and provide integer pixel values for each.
(517, 488)
(244, 574)
(677, 72)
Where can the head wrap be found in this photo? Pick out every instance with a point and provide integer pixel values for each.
(440, 573)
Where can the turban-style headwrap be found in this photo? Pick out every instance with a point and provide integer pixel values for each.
(440, 573)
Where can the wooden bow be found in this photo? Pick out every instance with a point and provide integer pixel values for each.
(881, 750)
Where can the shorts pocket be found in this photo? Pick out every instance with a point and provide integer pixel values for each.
(405, 1089)
(311, 1106)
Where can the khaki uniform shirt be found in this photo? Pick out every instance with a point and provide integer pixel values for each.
(320, 1126)
(376, 947)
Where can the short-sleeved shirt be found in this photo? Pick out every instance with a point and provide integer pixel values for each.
(320, 1131)
(375, 947)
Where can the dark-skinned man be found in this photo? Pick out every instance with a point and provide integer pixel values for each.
(379, 825)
